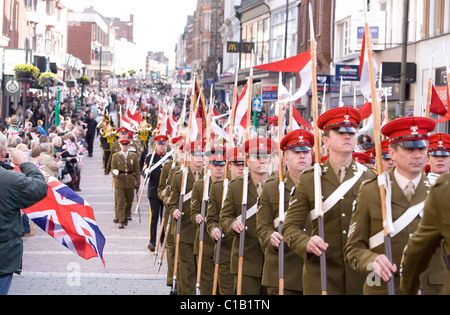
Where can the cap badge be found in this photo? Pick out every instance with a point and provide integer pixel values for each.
(441, 144)
(347, 118)
(414, 130)
(300, 138)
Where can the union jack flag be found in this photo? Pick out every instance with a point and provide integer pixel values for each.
(69, 219)
(69, 144)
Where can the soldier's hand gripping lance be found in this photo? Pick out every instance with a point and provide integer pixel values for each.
(169, 223)
(177, 238)
(202, 230)
(317, 168)
(378, 157)
(161, 229)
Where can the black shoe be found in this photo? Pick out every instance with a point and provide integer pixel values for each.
(122, 225)
(129, 218)
(116, 220)
(126, 223)
(151, 247)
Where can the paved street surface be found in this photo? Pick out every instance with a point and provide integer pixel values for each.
(50, 268)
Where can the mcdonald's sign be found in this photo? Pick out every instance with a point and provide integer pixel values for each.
(233, 47)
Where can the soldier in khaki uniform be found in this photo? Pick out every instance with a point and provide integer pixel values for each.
(432, 229)
(225, 281)
(339, 126)
(135, 146)
(433, 278)
(216, 168)
(365, 245)
(296, 146)
(126, 172)
(258, 151)
(186, 260)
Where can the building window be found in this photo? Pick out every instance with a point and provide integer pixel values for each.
(278, 34)
(343, 39)
(434, 17)
(258, 33)
(207, 22)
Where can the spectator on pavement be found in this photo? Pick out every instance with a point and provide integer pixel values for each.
(18, 190)
(50, 164)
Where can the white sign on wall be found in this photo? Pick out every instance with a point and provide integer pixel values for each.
(377, 24)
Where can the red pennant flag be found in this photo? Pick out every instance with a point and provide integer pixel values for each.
(447, 115)
(366, 110)
(436, 106)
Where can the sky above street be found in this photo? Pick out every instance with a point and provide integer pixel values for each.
(158, 23)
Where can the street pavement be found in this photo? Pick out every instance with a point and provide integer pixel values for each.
(49, 268)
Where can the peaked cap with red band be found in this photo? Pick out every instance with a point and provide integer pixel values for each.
(159, 138)
(236, 155)
(298, 140)
(409, 132)
(342, 119)
(216, 156)
(439, 144)
(260, 146)
(361, 157)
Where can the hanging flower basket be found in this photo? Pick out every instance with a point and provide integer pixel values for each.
(47, 79)
(83, 80)
(26, 71)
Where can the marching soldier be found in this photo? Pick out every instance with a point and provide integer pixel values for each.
(433, 278)
(144, 136)
(387, 162)
(186, 259)
(296, 146)
(123, 133)
(156, 205)
(431, 233)
(438, 155)
(164, 190)
(258, 151)
(338, 172)
(216, 166)
(235, 157)
(108, 136)
(125, 169)
(365, 250)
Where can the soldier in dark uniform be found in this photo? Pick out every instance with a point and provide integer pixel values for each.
(127, 176)
(297, 146)
(225, 281)
(339, 126)
(186, 260)
(365, 250)
(156, 205)
(258, 151)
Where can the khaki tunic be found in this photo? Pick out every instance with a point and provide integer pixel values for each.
(207, 271)
(125, 182)
(186, 259)
(367, 221)
(341, 279)
(433, 228)
(232, 208)
(268, 211)
(225, 279)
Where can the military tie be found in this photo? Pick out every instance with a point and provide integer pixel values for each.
(196, 175)
(410, 191)
(342, 173)
(259, 188)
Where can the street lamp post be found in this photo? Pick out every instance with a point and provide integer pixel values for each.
(96, 52)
